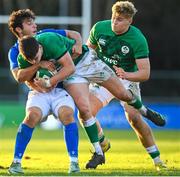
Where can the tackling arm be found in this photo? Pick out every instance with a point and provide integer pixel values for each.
(26, 74)
(67, 69)
(77, 48)
(88, 43)
(22, 75)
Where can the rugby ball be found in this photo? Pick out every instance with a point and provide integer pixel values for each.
(45, 73)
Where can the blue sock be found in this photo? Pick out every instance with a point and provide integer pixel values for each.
(71, 137)
(23, 137)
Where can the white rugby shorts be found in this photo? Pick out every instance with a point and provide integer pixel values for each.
(49, 103)
(90, 69)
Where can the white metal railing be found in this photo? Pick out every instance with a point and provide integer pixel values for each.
(84, 20)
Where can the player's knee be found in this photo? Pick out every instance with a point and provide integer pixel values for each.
(84, 110)
(33, 117)
(83, 106)
(124, 96)
(66, 115)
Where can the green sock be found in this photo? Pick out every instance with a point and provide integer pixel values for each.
(154, 154)
(153, 151)
(136, 103)
(92, 132)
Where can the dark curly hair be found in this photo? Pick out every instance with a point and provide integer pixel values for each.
(17, 18)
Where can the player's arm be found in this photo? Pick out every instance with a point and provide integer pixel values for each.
(66, 70)
(22, 75)
(141, 75)
(22, 70)
(19, 74)
(35, 87)
(92, 41)
(77, 48)
(143, 72)
(26, 74)
(30, 84)
(88, 43)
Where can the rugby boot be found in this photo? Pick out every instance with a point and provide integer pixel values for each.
(74, 167)
(157, 118)
(160, 166)
(96, 160)
(15, 168)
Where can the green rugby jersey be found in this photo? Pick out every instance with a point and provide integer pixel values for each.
(120, 50)
(54, 47)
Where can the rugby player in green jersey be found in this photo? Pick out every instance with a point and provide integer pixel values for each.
(89, 68)
(124, 48)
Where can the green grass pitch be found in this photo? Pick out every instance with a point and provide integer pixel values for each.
(46, 154)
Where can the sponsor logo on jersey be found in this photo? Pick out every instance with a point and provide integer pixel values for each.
(110, 60)
(102, 41)
(125, 49)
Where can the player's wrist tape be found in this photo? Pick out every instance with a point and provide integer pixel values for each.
(47, 83)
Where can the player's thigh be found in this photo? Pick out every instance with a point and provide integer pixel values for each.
(115, 86)
(99, 97)
(80, 94)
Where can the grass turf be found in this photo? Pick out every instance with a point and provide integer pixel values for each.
(46, 154)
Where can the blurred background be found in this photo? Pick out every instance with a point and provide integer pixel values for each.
(158, 20)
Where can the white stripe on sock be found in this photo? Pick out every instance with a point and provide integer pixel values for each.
(97, 148)
(73, 159)
(17, 160)
(152, 149)
(89, 122)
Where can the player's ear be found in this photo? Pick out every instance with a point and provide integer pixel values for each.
(41, 48)
(130, 20)
(18, 30)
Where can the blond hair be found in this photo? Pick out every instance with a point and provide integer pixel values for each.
(125, 8)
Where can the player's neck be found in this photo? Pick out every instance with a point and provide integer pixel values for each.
(123, 31)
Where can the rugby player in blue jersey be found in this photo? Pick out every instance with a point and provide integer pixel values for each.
(22, 23)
